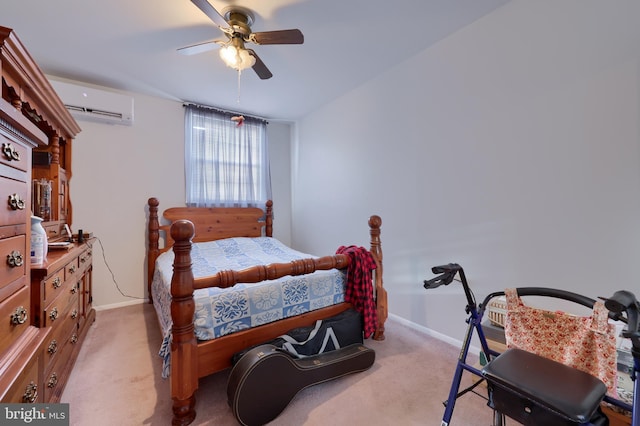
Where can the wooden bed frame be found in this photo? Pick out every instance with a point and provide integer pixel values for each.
(192, 359)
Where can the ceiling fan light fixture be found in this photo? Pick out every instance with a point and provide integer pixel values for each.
(235, 22)
(237, 58)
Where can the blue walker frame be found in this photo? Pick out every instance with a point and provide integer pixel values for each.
(622, 302)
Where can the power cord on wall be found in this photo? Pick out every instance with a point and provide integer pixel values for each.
(113, 276)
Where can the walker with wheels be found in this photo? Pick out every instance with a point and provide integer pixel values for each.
(531, 389)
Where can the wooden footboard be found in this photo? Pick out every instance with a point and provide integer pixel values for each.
(191, 359)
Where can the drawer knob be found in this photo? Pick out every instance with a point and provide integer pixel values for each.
(72, 269)
(74, 314)
(74, 338)
(53, 347)
(53, 381)
(16, 203)
(30, 393)
(10, 153)
(57, 282)
(19, 316)
(15, 259)
(53, 315)
(74, 290)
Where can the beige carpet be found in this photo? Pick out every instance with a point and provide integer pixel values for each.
(116, 381)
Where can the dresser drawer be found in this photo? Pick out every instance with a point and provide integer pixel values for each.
(55, 311)
(14, 317)
(13, 257)
(55, 377)
(26, 389)
(14, 154)
(16, 204)
(53, 286)
(64, 330)
(71, 269)
(85, 259)
(53, 230)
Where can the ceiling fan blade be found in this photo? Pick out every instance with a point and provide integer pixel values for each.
(211, 12)
(259, 67)
(278, 37)
(194, 49)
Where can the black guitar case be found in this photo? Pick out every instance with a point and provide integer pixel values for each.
(267, 378)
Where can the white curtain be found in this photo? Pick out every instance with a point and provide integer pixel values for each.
(226, 164)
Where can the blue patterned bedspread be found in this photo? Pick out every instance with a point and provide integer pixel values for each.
(223, 311)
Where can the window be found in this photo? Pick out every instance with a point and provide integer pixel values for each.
(226, 161)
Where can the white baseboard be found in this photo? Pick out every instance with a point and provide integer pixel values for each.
(429, 332)
(120, 304)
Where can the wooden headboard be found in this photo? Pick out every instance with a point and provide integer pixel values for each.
(210, 223)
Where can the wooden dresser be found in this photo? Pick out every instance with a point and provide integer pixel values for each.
(45, 309)
(61, 302)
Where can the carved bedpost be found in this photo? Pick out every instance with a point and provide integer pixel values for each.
(268, 227)
(375, 222)
(184, 357)
(154, 236)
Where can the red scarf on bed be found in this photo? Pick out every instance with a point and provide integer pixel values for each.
(359, 288)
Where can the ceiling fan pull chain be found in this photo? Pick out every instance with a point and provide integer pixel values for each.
(239, 72)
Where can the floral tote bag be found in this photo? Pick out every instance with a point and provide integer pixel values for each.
(586, 343)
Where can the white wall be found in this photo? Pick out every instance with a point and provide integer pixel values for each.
(511, 147)
(279, 135)
(115, 171)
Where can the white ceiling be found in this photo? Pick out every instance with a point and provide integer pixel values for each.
(131, 45)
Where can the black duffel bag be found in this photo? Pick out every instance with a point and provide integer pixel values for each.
(325, 335)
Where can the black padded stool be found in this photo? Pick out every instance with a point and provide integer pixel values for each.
(538, 391)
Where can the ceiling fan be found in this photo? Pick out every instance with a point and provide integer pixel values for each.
(235, 22)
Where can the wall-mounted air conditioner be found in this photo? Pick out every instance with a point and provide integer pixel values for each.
(87, 103)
